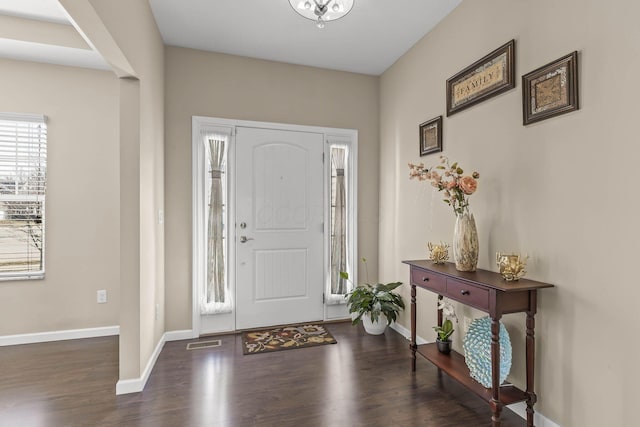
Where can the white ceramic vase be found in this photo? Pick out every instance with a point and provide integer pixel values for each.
(465, 242)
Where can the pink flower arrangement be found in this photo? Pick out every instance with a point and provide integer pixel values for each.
(449, 178)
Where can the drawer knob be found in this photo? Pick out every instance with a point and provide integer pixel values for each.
(425, 279)
(464, 292)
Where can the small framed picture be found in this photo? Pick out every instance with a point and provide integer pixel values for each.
(550, 90)
(431, 136)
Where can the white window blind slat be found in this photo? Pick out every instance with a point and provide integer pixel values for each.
(23, 165)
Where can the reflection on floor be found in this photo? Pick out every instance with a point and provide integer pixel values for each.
(363, 380)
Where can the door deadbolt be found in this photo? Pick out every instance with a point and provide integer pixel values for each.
(243, 225)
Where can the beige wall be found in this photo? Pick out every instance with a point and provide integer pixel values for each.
(561, 190)
(82, 241)
(218, 85)
(132, 26)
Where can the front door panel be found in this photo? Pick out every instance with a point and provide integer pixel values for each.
(279, 227)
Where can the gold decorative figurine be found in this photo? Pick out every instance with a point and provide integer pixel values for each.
(512, 266)
(439, 253)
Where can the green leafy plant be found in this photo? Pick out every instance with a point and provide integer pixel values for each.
(374, 300)
(444, 331)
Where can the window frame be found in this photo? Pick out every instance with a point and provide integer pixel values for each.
(349, 143)
(40, 120)
(200, 190)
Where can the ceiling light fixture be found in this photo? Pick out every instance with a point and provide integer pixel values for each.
(322, 11)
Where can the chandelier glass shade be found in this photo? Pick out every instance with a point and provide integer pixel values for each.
(322, 11)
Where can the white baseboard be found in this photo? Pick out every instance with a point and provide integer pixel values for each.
(186, 334)
(519, 408)
(135, 385)
(70, 334)
(539, 420)
(407, 333)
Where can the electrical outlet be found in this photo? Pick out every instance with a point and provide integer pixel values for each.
(102, 296)
(160, 216)
(467, 323)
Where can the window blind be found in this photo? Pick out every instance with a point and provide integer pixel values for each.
(23, 170)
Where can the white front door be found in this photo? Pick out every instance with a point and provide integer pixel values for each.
(279, 227)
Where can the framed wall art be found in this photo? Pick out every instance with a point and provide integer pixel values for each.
(550, 90)
(485, 78)
(431, 136)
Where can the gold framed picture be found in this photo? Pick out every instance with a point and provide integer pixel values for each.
(550, 90)
(485, 78)
(431, 136)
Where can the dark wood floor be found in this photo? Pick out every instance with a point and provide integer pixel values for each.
(363, 380)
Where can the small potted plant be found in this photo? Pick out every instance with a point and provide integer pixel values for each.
(443, 341)
(375, 305)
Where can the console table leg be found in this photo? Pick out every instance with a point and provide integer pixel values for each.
(531, 351)
(497, 411)
(413, 346)
(496, 405)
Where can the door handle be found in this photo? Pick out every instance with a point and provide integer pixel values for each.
(244, 239)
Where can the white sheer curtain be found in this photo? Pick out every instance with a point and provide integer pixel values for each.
(338, 228)
(216, 296)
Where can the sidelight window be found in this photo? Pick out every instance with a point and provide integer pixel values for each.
(215, 295)
(341, 221)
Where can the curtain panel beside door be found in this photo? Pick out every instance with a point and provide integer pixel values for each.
(215, 295)
(339, 257)
(338, 229)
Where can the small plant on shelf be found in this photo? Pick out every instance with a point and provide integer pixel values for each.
(444, 331)
(443, 341)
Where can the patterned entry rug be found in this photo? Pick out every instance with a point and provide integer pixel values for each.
(285, 338)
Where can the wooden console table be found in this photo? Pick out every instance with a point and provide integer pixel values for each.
(489, 292)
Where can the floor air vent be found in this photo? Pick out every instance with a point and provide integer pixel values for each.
(203, 344)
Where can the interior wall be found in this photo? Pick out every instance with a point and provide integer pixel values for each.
(556, 190)
(82, 206)
(218, 85)
(133, 28)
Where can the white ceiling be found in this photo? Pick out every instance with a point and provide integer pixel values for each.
(40, 52)
(50, 11)
(368, 40)
(44, 10)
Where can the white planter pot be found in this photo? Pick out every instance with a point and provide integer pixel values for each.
(376, 328)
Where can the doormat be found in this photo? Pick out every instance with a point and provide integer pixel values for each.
(285, 338)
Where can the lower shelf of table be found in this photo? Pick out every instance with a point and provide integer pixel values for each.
(453, 364)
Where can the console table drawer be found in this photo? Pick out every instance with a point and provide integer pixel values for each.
(429, 280)
(468, 294)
